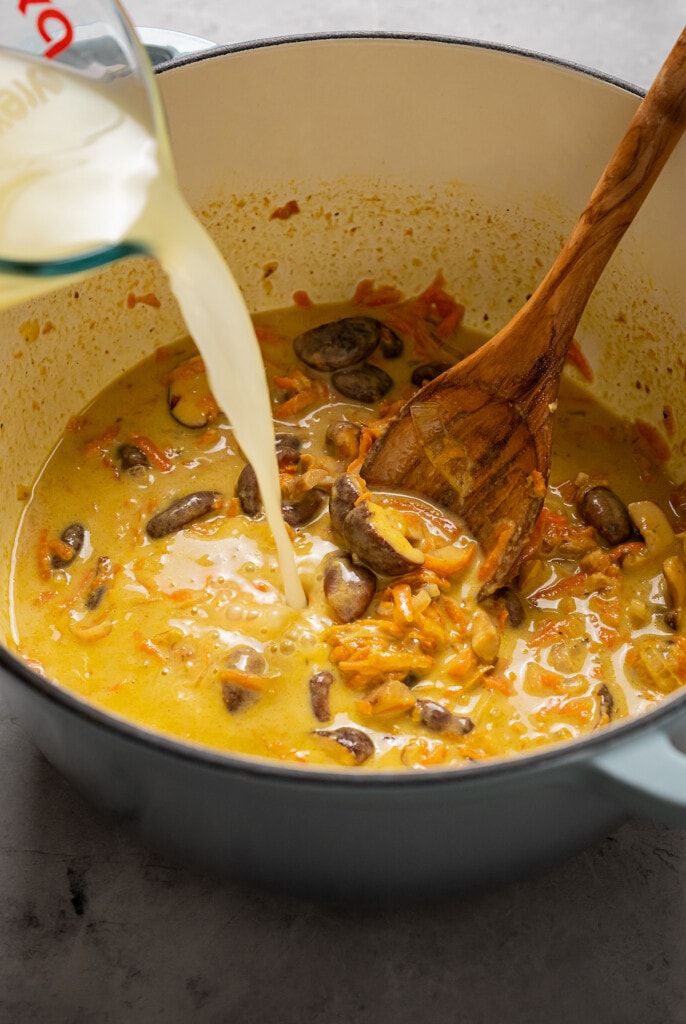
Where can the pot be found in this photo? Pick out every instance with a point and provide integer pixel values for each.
(406, 156)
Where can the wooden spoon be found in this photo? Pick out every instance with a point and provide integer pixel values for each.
(477, 439)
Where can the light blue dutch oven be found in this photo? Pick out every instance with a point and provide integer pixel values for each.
(406, 155)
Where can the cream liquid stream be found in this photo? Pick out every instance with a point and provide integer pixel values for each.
(79, 171)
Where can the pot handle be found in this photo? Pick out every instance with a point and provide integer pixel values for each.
(648, 774)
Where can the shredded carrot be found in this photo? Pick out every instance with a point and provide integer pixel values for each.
(44, 555)
(581, 708)
(575, 357)
(646, 434)
(463, 662)
(449, 561)
(570, 584)
(209, 436)
(181, 596)
(268, 336)
(551, 630)
(294, 381)
(302, 391)
(457, 615)
(97, 446)
(367, 439)
(245, 679)
(669, 420)
(473, 753)
(631, 547)
(498, 682)
(302, 299)
(538, 484)
(503, 531)
(450, 322)
(146, 646)
(551, 681)
(426, 751)
(429, 318)
(76, 423)
(365, 628)
(193, 367)
(608, 609)
(300, 401)
(156, 456)
(367, 295)
(556, 530)
(388, 661)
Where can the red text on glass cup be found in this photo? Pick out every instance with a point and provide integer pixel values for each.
(54, 26)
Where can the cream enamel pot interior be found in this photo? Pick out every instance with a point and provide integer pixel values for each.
(406, 156)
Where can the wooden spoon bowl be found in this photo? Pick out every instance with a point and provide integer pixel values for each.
(478, 439)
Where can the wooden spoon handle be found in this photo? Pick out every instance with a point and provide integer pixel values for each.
(653, 133)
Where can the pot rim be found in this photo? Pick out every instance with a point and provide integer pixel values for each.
(557, 754)
(224, 49)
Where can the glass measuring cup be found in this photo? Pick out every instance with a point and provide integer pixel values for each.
(82, 140)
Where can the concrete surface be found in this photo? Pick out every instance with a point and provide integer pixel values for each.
(95, 929)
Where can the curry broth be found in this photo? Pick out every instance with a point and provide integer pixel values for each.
(188, 633)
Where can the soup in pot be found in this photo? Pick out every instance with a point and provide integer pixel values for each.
(146, 580)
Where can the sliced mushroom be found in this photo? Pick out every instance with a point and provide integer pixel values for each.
(182, 512)
(132, 458)
(190, 401)
(247, 659)
(287, 450)
(602, 509)
(248, 492)
(428, 371)
(344, 436)
(369, 531)
(654, 527)
(606, 703)
(371, 535)
(365, 383)
(236, 697)
(357, 743)
(99, 584)
(440, 719)
(511, 602)
(674, 571)
(247, 489)
(73, 537)
(319, 686)
(390, 343)
(349, 588)
(94, 598)
(339, 344)
(344, 493)
(305, 508)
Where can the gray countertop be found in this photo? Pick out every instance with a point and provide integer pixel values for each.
(97, 929)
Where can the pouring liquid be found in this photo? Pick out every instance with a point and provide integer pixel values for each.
(78, 171)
